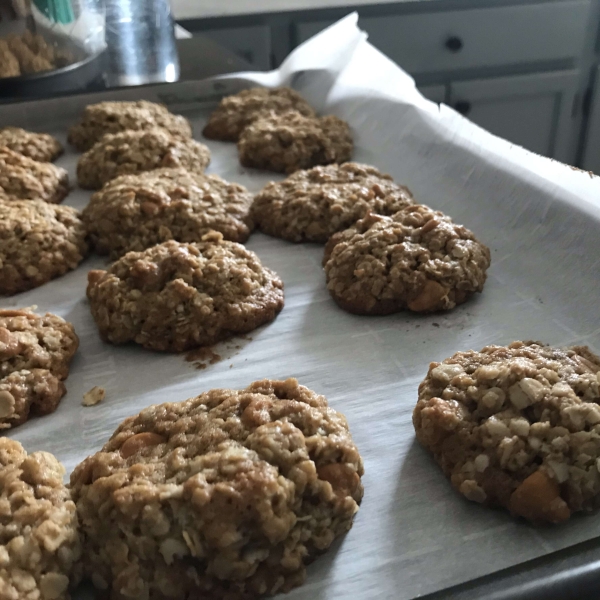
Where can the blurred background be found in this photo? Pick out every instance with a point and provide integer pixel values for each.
(525, 70)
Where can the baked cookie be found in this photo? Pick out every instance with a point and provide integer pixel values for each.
(114, 117)
(310, 206)
(130, 152)
(39, 540)
(134, 212)
(287, 142)
(22, 177)
(517, 427)
(9, 63)
(29, 61)
(38, 242)
(417, 260)
(226, 495)
(35, 352)
(236, 112)
(42, 147)
(174, 296)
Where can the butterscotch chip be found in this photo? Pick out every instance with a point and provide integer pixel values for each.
(417, 259)
(113, 117)
(9, 63)
(131, 152)
(287, 142)
(135, 212)
(27, 179)
(313, 205)
(35, 352)
(38, 242)
(517, 427)
(236, 112)
(227, 495)
(94, 396)
(40, 545)
(38, 146)
(175, 296)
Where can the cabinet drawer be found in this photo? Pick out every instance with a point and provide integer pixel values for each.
(483, 37)
(251, 43)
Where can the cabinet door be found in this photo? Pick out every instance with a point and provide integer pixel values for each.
(533, 111)
(251, 43)
(591, 152)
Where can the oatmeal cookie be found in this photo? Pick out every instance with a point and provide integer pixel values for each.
(29, 61)
(130, 152)
(313, 205)
(135, 212)
(236, 112)
(38, 146)
(227, 495)
(174, 296)
(35, 353)
(287, 142)
(39, 540)
(9, 63)
(38, 242)
(517, 427)
(417, 259)
(28, 179)
(114, 117)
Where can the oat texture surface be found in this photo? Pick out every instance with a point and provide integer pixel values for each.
(418, 259)
(176, 296)
(311, 205)
(227, 495)
(516, 426)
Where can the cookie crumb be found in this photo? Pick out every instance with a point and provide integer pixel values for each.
(202, 357)
(94, 396)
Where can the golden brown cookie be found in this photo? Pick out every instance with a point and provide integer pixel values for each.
(236, 112)
(38, 242)
(287, 142)
(418, 259)
(134, 212)
(35, 353)
(516, 426)
(174, 296)
(27, 179)
(131, 152)
(113, 117)
(312, 205)
(227, 495)
(42, 147)
(39, 539)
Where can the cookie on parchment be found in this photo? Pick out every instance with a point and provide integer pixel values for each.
(134, 212)
(38, 242)
(28, 179)
(236, 112)
(227, 495)
(287, 142)
(130, 152)
(35, 353)
(516, 426)
(174, 297)
(42, 147)
(313, 205)
(113, 117)
(40, 545)
(418, 259)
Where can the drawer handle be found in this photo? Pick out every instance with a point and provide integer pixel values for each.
(463, 107)
(454, 44)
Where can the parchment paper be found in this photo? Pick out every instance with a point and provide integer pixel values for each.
(413, 534)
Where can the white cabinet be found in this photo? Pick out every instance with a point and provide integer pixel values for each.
(533, 111)
(591, 153)
(251, 43)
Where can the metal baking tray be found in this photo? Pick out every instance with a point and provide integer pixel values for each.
(413, 535)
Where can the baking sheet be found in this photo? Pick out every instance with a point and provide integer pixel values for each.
(413, 534)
